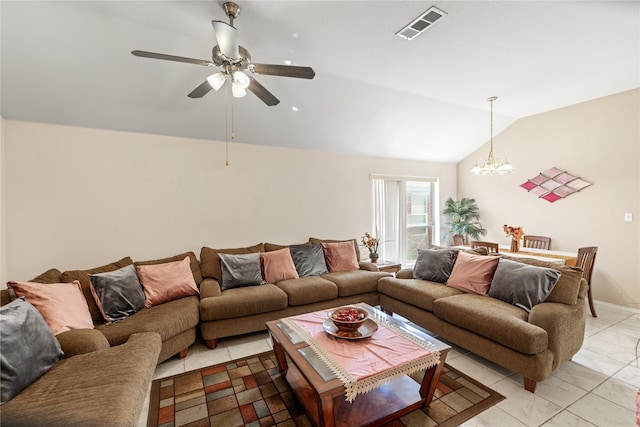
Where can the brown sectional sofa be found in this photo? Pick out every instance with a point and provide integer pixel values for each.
(532, 344)
(94, 386)
(107, 370)
(243, 310)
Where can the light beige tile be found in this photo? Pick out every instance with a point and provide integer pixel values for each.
(169, 367)
(493, 417)
(579, 375)
(207, 357)
(528, 408)
(567, 419)
(630, 374)
(602, 363)
(559, 391)
(601, 412)
(618, 392)
(476, 370)
(248, 349)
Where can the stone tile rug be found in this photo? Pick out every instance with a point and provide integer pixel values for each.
(251, 392)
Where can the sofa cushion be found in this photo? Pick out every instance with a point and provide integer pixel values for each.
(268, 247)
(50, 276)
(210, 259)
(29, 348)
(240, 270)
(521, 284)
(355, 282)
(493, 319)
(315, 241)
(118, 293)
(102, 388)
(434, 265)
(307, 290)
(240, 302)
(193, 263)
(567, 287)
(83, 277)
(473, 273)
(277, 266)
(62, 305)
(417, 292)
(309, 260)
(340, 256)
(167, 281)
(168, 320)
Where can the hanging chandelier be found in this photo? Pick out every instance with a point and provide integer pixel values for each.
(492, 165)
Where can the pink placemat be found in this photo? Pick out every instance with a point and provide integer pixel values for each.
(363, 365)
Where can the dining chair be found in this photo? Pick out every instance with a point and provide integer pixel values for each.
(537, 242)
(585, 260)
(491, 247)
(458, 240)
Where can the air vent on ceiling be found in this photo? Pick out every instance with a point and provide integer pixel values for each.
(421, 23)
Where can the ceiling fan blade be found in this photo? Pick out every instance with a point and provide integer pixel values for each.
(201, 90)
(154, 55)
(226, 38)
(284, 70)
(261, 92)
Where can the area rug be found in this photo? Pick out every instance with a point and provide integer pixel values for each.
(251, 392)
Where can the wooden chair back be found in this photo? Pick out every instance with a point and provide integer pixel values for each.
(458, 240)
(491, 246)
(585, 260)
(537, 242)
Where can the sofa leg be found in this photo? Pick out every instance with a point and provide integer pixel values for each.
(530, 385)
(211, 344)
(183, 353)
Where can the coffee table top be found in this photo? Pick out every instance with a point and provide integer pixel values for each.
(316, 370)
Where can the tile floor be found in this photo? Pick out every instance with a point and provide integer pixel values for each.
(597, 388)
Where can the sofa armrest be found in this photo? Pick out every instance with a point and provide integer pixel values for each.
(209, 288)
(565, 325)
(369, 266)
(81, 341)
(405, 273)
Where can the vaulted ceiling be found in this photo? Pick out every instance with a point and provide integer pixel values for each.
(70, 63)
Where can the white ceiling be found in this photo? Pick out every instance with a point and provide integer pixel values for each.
(374, 93)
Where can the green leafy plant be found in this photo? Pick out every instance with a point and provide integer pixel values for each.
(464, 217)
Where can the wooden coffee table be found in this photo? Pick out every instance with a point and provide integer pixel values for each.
(323, 395)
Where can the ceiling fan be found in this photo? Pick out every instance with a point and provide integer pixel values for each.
(235, 62)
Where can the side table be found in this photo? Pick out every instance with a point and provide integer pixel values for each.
(388, 266)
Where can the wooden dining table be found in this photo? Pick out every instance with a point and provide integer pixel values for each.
(569, 258)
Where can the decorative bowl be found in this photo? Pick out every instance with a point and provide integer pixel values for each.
(348, 318)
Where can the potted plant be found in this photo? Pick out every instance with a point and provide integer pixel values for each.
(463, 217)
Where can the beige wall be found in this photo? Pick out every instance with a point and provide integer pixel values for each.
(598, 140)
(3, 228)
(78, 198)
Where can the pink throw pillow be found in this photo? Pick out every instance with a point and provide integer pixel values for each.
(278, 265)
(62, 305)
(167, 282)
(340, 256)
(473, 273)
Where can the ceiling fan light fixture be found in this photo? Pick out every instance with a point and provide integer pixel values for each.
(241, 79)
(217, 80)
(239, 84)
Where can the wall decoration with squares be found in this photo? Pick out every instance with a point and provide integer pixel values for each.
(554, 184)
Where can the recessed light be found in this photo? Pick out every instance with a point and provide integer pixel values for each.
(294, 108)
(294, 35)
(287, 61)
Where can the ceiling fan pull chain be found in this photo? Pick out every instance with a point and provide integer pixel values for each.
(226, 126)
(233, 134)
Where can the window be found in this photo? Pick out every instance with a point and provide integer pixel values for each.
(403, 216)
